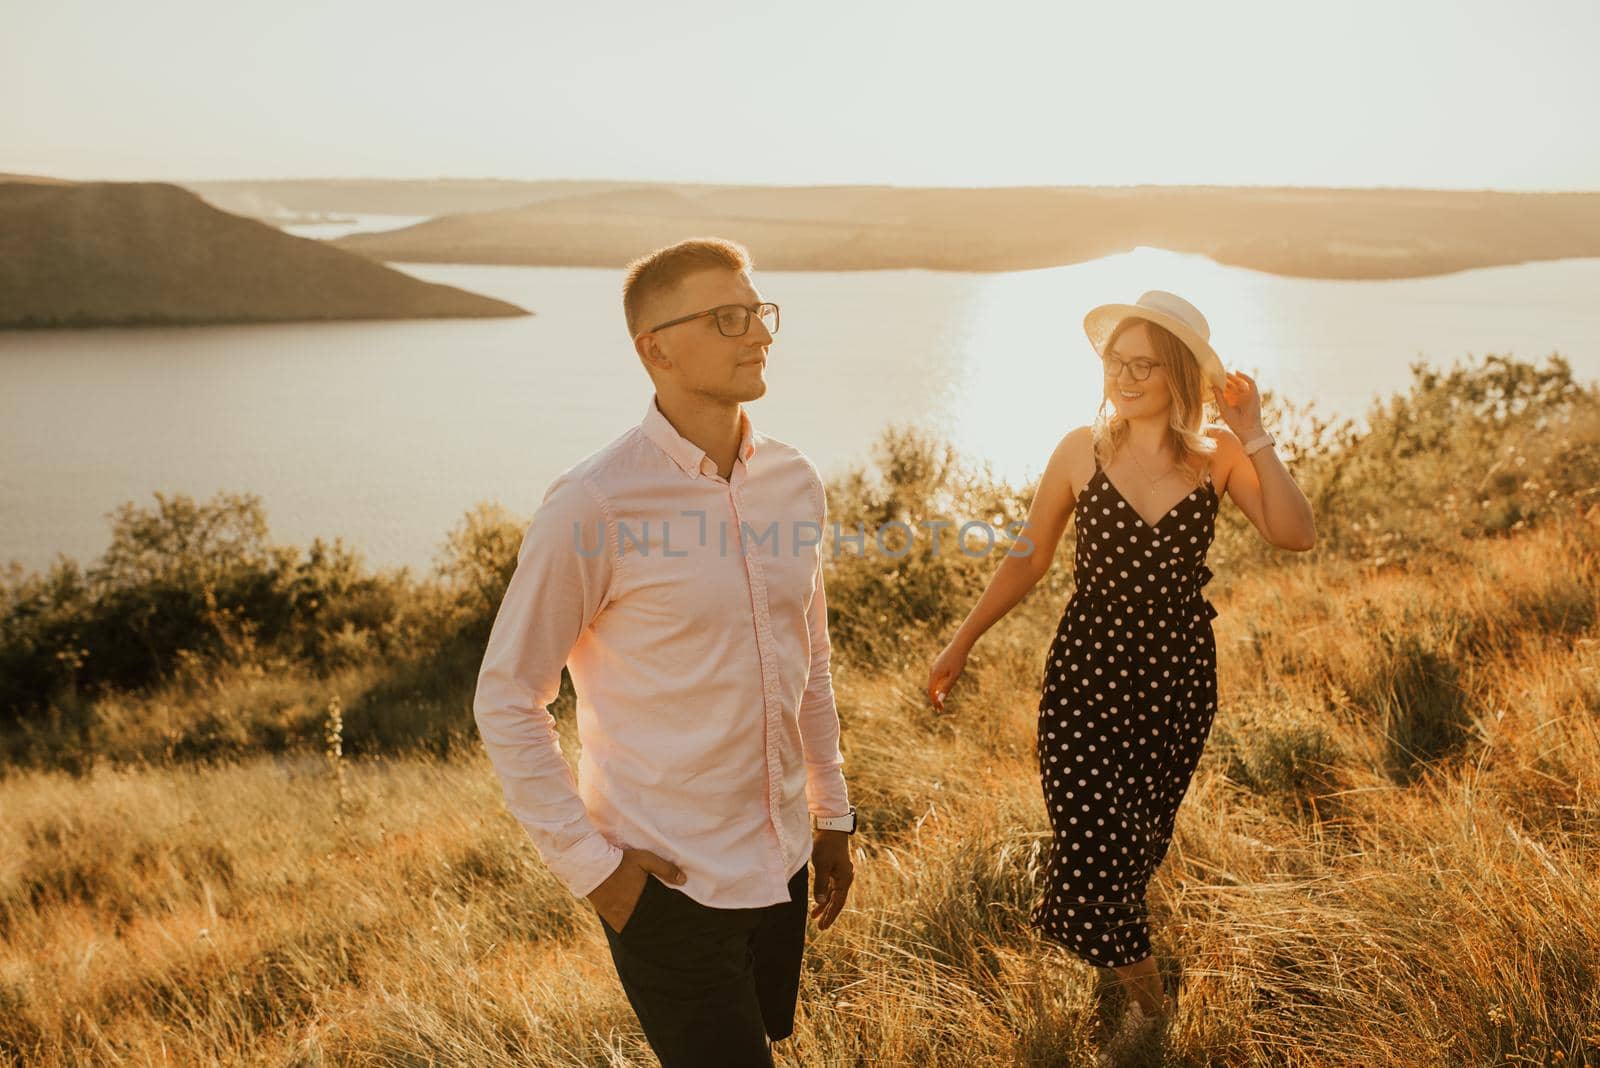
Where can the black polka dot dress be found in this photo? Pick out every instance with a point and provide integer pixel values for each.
(1129, 692)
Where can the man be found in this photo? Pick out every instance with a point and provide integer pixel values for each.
(677, 573)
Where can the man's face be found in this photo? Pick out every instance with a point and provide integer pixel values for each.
(700, 359)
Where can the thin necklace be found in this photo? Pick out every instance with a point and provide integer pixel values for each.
(1150, 483)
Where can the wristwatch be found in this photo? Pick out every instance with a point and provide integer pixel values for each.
(845, 823)
(1258, 443)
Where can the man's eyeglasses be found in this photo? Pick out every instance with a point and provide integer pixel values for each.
(733, 320)
(1140, 368)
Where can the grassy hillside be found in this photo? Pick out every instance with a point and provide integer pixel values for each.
(122, 253)
(277, 842)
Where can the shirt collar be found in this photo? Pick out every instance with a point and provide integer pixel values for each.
(685, 453)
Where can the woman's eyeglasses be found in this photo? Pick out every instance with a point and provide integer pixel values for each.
(1140, 368)
(733, 320)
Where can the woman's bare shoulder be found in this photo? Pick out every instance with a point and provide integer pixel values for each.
(1074, 457)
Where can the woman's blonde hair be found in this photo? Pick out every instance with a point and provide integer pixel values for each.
(1186, 427)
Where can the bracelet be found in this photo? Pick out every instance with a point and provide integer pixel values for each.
(1255, 445)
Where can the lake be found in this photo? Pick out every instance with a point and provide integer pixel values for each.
(387, 432)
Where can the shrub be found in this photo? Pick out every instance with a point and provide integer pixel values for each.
(890, 597)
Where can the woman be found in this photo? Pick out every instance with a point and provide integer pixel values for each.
(1129, 688)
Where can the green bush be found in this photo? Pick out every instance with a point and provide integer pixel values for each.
(1482, 448)
(477, 562)
(187, 583)
(885, 599)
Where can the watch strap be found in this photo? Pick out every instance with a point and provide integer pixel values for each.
(1258, 443)
(846, 823)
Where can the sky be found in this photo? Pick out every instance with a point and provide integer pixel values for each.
(1451, 94)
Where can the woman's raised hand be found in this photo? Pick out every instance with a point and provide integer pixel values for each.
(1240, 404)
(946, 670)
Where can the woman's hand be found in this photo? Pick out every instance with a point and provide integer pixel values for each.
(946, 670)
(1240, 405)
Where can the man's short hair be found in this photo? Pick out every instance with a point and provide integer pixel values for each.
(658, 272)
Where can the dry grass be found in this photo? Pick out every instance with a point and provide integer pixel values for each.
(1389, 856)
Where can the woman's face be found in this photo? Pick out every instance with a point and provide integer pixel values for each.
(1128, 357)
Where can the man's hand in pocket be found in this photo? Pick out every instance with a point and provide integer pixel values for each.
(616, 898)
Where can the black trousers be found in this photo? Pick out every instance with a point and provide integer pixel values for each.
(711, 986)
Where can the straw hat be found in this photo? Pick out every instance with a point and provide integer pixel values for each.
(1168, 310)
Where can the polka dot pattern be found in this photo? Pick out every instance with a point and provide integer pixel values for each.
(1129, 693)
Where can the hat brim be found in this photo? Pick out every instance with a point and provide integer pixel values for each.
(1101, 321)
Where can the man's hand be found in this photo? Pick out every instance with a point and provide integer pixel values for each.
(616, 898)
(830, 856)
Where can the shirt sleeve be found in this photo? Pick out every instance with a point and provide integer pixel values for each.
(564, 568)
(819, 718)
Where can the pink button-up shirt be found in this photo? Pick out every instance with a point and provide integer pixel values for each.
(705, 707)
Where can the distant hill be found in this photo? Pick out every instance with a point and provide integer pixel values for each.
(1314, 233)
(275, 199)
(34, 179)
(122, 253)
